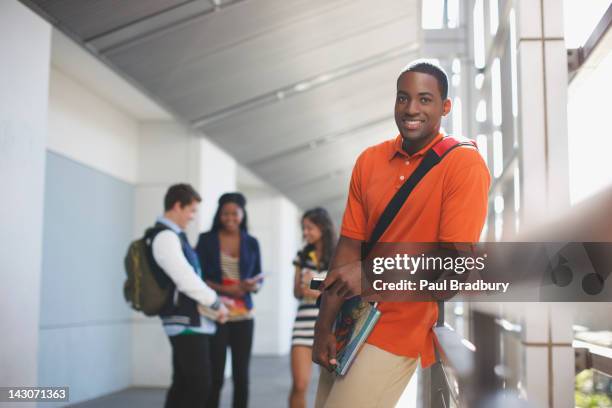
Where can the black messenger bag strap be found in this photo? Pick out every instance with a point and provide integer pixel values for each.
(431, 159)
(433, 156)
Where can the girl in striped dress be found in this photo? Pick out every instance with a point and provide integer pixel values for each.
(311, 262)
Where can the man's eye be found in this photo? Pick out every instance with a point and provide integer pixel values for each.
(401, 99)
(425, 100)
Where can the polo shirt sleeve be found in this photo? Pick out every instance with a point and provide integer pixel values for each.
(465, 198)
(354, 219)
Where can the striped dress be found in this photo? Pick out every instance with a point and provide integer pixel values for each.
(303, 328)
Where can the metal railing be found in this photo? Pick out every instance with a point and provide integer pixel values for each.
(469, 374)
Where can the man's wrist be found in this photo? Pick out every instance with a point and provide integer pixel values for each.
(323, 327)
(216, 305)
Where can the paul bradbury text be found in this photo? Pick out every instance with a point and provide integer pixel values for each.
(446, 285)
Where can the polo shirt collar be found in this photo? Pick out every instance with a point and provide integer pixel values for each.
(397, 147)
(170, 224)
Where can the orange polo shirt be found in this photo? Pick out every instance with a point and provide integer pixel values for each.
(448, 205)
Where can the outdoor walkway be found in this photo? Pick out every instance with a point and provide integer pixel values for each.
(270, 383)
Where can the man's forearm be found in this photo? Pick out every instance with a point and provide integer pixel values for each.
(347, 252)
(330, 306)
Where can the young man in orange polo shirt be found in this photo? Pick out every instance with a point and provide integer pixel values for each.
(448, 205)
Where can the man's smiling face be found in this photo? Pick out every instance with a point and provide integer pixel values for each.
(419, 108)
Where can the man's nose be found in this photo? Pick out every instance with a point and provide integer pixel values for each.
(412, 108)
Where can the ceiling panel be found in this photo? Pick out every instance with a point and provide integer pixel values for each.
(364, 98)
(325, 191)
(291, 169)
(203, 71)
(293, 89)
(91, 18)
(155, 25)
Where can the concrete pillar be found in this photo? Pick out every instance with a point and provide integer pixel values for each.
(542, 72)
(25, 42)
(542, 75)
(549, 356)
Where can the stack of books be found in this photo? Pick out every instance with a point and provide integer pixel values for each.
(353, 325)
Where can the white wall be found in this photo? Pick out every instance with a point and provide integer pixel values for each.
(589, 140)
(24, 75)
(274, 221)
(86, 128)
(92, 165)
(218, 172)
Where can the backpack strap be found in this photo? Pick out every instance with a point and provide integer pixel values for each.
(158, 273)
(433, 156)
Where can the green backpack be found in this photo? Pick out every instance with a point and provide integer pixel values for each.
(147, 287)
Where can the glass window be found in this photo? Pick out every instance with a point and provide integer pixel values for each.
(481, 141)
(456, 80)
(496, 101)
(494, 14)
(457, 117)
(479, 81)
(517, 198)
(499, 204)
(456, 67)
(479, 38)
(453, 13)
(499, 226)
(498, 154)
(481, 111)
(517, 189)
(513, 62)
(432, 14)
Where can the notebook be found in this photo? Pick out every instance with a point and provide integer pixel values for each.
(353, 325)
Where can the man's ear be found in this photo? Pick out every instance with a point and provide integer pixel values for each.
(446, 107)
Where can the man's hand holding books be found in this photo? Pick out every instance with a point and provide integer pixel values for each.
(324, 348)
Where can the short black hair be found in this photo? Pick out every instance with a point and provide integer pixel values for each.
(182, 193)
(237, 198)
(430, 68)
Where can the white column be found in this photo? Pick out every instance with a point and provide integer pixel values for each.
(274, 221)
(24, 81)
(217, 176)
(542, 109)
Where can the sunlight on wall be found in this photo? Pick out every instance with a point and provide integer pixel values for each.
(580, 18)
(589, 138)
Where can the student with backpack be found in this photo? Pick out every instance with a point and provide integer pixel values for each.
(171, 267)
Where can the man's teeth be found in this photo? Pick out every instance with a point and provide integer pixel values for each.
(412, 124)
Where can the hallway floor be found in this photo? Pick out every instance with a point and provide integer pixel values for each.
(270, 383)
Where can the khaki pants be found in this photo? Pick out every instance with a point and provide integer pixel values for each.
(376, 379)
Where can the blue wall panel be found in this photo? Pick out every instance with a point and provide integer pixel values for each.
(85, 332)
